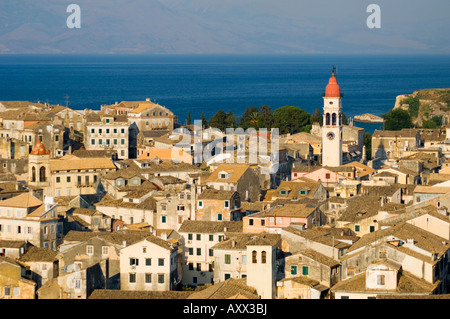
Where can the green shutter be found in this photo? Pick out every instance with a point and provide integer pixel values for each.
(305, 271)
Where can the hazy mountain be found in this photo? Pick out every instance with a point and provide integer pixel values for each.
(228, 26)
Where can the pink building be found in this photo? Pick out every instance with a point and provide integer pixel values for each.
(274, 219)
(324, 174)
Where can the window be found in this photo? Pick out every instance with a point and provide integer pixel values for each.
(305, 270)
(163, 219)
(382, 254)
(199, 236)
(211, 237)
(200, 204)
(68, 179)
(211, 252)
(227, 276)
(199, 251)
(250, 222)
(93, 141)
(227, 259)
(219, 217)
(58, 179)
(16, 291)
(327, 176)
(254, 253)
(380, 280)
(350, 272)
(372, 229)
(293, 270)
(132, 278)
(105, 250)
(148, 261)
(263, 256)
(357, 228)
(160, 278)
(148, 278)
(190, 266)
(160, 261)
(7, 291)
(227, 204)
(134, 262)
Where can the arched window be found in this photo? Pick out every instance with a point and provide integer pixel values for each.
(263, 257)
(42, 177)
(254, 257)
(340, 119)
(33, 174)
(334, 119)
(327, 119)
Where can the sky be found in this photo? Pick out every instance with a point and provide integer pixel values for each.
(224, 26)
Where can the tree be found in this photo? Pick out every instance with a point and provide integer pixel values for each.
(230, 120)
(204, 122)
(218, 120)
(291, 119)
(247, 119)
(317, 117)
(265, 117)
(397, 119)
(368, 145)
(429, 124)
(344, 119)
(189, 121)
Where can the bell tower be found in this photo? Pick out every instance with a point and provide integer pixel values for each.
(332, 124)
(39, 167)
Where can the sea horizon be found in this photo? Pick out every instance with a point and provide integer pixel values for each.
(209, 82)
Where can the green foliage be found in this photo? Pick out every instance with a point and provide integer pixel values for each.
(397, 119)
(429, 124)
(222, 120)
(368, 145)
(414, 105)
(344, 119)
(204, 121)
(265, 117)
(290, 119)
(249, 118)
(317, 117)
(437, 119)
(189, 121)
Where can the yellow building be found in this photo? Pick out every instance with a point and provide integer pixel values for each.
(12, 284)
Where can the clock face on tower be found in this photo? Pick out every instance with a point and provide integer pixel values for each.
(330, 135)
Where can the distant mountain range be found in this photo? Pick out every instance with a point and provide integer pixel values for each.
(210, 26)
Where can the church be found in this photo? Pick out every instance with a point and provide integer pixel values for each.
(332, 124)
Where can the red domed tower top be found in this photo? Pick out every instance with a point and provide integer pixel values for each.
(39, 149)
(333, 89)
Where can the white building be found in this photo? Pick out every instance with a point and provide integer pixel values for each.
(332, 124)
(150, 264)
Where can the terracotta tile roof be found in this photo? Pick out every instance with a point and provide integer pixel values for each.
(209, 227)
(130, 294)
(407, 283)
(71, 162)
(212, 193)
(39, 254)
(227, 289)
(240, 241)
(25, 200)
(404, 231)
(235, 170)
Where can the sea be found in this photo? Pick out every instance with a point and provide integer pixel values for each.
(207, 83)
